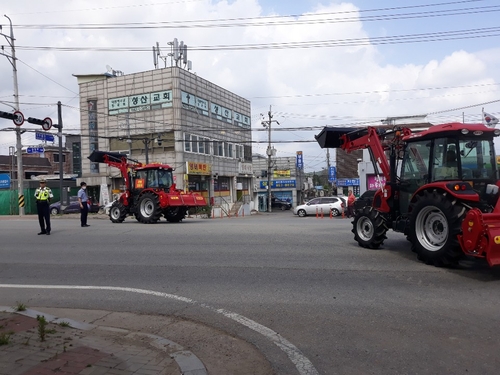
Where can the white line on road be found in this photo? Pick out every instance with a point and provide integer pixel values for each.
(303, 365)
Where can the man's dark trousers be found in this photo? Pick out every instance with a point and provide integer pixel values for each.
(43, 216)
(84, 213)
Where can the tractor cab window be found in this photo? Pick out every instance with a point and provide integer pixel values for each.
(416, 162)
(152, 178)
(466, 160)
(477, 159)
(165, 179)
(415, 171)
(446, 159)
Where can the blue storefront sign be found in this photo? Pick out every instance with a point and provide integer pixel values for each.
(4, 181)
(278, 184)
(300, 160)
(332, 174)
(348, 182)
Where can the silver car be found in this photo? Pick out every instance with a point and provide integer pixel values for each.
(321, 205)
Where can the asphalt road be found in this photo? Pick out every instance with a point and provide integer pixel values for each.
(347, 310)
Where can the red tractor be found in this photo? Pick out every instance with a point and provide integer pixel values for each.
(441, 189)
(150, 191)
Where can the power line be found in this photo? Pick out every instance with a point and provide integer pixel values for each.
(486, 32)
(295, 19)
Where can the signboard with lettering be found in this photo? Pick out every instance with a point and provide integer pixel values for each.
(35, 150)
(44, 137)
(278, 184)
(4, 181)
(348, 182)
(374, 182)
(199, 168)
(300, 160)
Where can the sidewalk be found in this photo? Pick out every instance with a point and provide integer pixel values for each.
(76, 347)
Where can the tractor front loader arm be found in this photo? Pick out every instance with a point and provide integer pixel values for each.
(349, 139)
(117, 160)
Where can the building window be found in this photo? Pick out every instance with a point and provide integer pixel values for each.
(56, 158)
(187, 143)
(201, 145)
(194, 143)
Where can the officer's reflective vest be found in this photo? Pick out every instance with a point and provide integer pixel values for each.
(42, 194)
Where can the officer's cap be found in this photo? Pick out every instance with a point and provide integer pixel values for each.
(42, 180)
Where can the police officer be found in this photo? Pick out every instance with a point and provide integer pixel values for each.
(43, 196)
(83, 198)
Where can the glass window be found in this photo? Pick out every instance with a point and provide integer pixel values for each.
(416, 162)
(477, 159)
(164, 178)
(194, 143)
(314, 201)
(226, 149)
(221, 148)
(230, 148)
(201, 145)
(187, 142)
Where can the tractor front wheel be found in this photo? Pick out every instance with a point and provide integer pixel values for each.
(435, 222)
(117, 212)
(369, 228)
(149, 210)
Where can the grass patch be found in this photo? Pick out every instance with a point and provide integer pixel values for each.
(20, 307)
(42, 324)
(64, 324)
(4, 338)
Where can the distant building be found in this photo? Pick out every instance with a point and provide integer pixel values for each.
(171, 116)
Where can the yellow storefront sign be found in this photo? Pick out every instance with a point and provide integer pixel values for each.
(199, 168)
(281, 173)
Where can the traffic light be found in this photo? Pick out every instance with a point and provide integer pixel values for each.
(7, 115)
(46, 122)
(36, 121)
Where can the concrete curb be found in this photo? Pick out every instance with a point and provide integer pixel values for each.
(188, 362)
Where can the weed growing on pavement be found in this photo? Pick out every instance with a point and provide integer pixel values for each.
(20, 307)
(64, 324)
(42, 324)
(4, 338)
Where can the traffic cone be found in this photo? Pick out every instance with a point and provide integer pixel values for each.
(331, 214)
(316, 212)
(322, 212)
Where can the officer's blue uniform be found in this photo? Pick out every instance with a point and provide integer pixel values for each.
(84, 208)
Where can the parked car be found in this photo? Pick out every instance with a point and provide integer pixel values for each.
(366, 199)
(321, 204)
(280, 204)
(73, 207)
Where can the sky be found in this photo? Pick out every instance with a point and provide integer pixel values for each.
(312, 63)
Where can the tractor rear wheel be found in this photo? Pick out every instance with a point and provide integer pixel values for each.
(117, 212)
(369, 228)
(175, 214)
(148, 209)
(435, 222)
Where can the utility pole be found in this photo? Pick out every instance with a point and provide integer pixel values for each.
(146, 142)
(19, 147)
(59, 127)
(328, 171)
(269, 155)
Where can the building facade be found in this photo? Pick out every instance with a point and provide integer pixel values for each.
(286, 180)
(170, 116)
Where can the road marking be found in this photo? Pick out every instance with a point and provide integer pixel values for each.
(303, 365)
